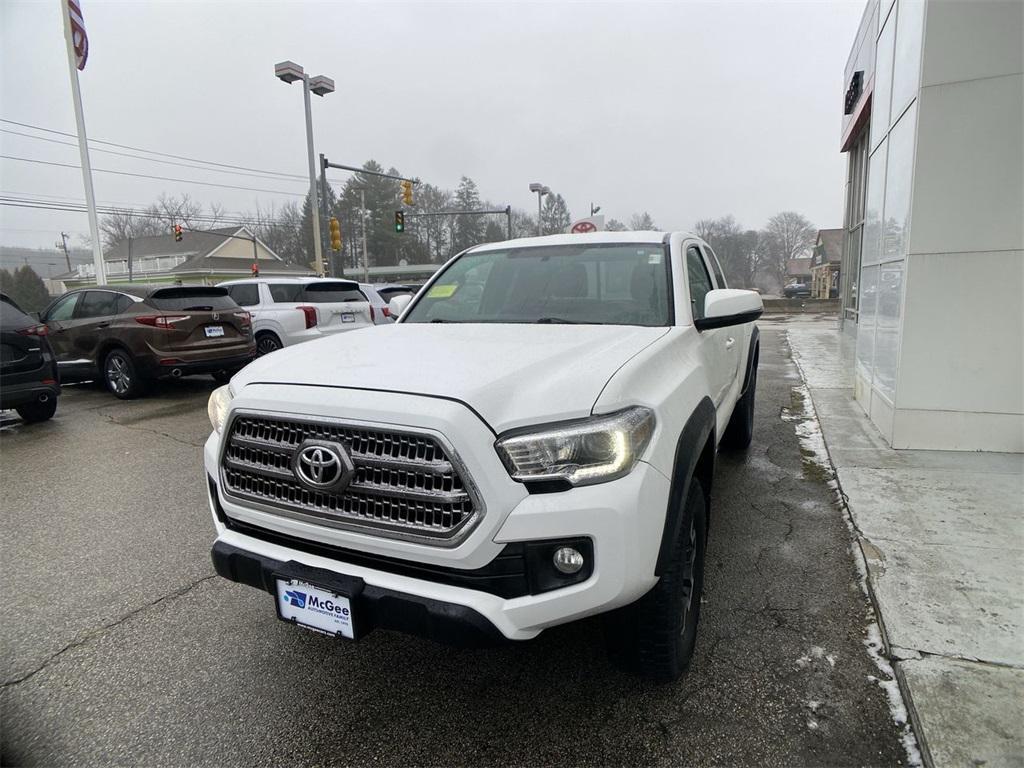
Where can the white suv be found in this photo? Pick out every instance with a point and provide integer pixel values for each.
(536, 445)
(289, 310)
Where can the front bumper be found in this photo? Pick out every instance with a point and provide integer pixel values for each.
(375, 607)
(623, 521)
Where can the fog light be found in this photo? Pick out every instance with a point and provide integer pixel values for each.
(567, 560)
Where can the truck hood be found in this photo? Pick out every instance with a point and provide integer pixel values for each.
(511, 375)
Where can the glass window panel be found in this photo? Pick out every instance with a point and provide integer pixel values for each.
(887, 323)
(906, 74)
(871, 249)
(898, 174)
(883, 81)
(866, 323)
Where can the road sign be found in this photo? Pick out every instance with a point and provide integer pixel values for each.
(589, 224)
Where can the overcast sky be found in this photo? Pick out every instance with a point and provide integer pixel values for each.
(683, 109)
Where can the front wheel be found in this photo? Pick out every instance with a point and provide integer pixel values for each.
(37, 411)
(655, 636)
(121, 375)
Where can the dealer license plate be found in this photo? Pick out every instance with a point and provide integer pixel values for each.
(314, 607)
(213, 331)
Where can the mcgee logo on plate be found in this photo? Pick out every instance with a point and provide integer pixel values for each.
(298, 599)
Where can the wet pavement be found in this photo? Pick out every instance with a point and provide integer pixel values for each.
(119, 645)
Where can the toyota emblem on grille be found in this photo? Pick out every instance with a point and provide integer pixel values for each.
(323, 466)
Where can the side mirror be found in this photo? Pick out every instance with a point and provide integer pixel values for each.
(398, 304)
(36, 316)
(729, 306)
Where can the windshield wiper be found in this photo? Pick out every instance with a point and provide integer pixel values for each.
(558, 321)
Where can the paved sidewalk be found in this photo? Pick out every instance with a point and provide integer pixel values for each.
(943, 536)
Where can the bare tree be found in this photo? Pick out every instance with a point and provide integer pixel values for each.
(788, 235)
(641, 222)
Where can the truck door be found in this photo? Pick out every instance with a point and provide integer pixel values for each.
(713, 342)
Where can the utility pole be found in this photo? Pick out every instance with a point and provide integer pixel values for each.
(64, 245)
(362, 215)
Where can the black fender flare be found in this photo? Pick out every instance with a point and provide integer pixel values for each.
(755, 340)
(692, 442)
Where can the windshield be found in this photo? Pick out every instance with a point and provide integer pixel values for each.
(606, 284)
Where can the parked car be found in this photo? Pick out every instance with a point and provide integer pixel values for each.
(128, 335)
(380, 312)
(536, 446)
(388, 291)
(290, 310)
(796, 291)
(29, 382)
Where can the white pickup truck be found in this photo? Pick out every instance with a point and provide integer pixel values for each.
(533, 442)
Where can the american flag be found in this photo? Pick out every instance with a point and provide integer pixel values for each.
(78, 37)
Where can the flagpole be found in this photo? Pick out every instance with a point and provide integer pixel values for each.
(83, 149)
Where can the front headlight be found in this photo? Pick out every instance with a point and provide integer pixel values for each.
(217, 408)
(592, 451)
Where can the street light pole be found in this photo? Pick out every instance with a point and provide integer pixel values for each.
(362, 215)
(289, 72)
(314, 203)
(541, 190)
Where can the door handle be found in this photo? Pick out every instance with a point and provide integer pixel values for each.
(729, 342)
(102, 325)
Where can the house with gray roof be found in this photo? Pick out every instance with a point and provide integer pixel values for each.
(204, 257)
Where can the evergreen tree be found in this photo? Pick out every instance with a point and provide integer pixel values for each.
(28, 289)
(554, 217)
(467, 230)
(614, 225)
(494, 232)
(6, 281)
(307, 254)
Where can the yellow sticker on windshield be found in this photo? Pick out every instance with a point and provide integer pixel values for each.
(442, 291)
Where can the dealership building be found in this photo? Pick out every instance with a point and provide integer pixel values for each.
(933, 250)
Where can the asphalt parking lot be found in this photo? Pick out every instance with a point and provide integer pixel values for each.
(120, 645)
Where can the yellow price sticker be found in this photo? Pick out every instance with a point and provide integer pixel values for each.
(442, 291)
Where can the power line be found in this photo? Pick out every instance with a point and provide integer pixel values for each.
(112, 204)
(153, 151)
(158, 178)
(80, 208)
(157, 160)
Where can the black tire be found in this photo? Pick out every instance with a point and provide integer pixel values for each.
(655, 637)
(121, 376)
(267, 342)
(33, 412)
(223, 377)
(740, 429)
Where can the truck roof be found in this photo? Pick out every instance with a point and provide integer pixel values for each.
(644, 236)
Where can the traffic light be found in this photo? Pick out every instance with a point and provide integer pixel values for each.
(406, 192)
(177, 233)
(335, 234)
(399, 221)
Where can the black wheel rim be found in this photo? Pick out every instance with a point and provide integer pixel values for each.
(689, 576)
(266, 344)
(119, 375)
